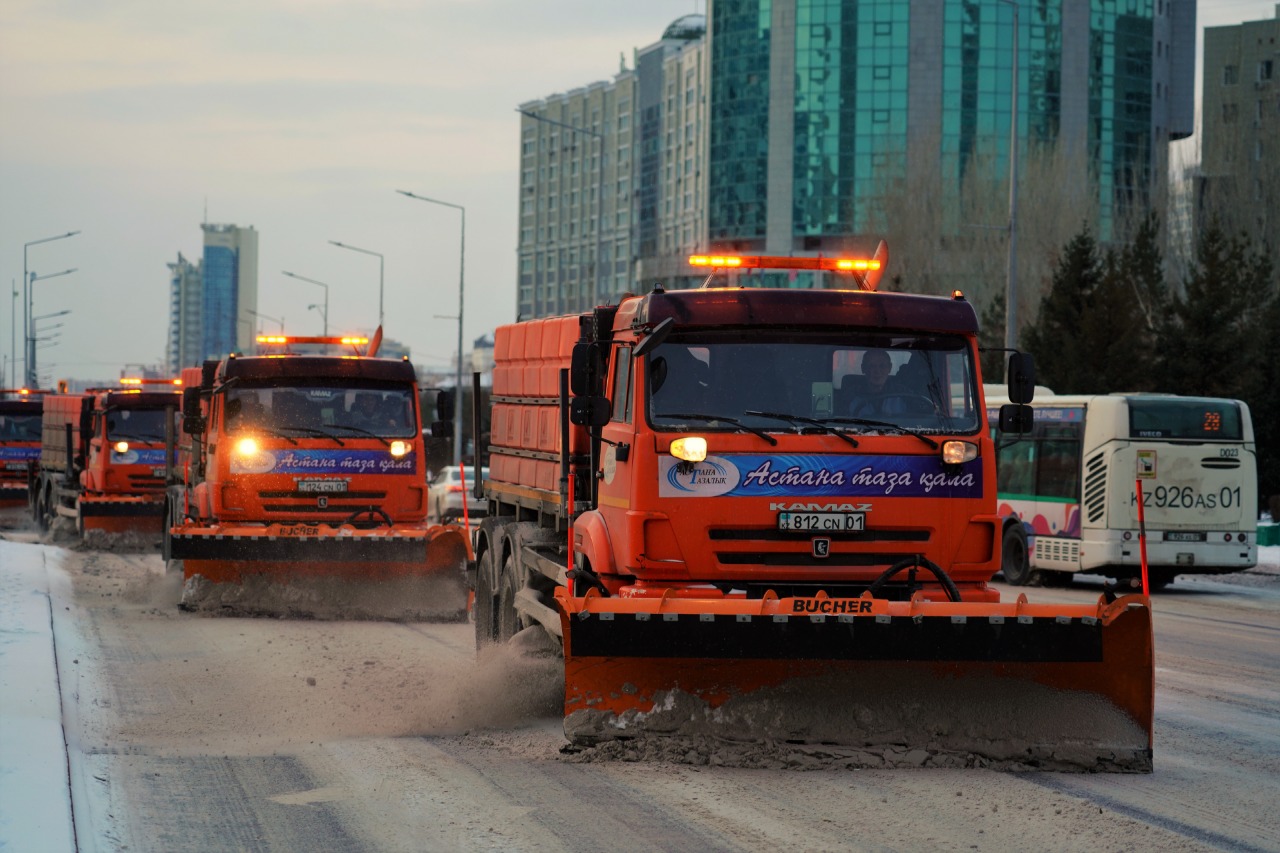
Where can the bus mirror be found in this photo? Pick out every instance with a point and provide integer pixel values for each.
(585, 369)
(589, 411)
(1022, 377)
(444, 406)
(1016, 418)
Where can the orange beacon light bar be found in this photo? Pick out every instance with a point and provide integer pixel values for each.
(784, 262)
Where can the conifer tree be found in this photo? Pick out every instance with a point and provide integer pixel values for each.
(1054, 339)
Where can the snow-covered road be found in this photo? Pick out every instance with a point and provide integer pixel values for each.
(185, 732)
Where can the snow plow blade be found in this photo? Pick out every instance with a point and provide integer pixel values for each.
(1011, 686)
(322, 572)
(122, 514)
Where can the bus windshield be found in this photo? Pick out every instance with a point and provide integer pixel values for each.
(1197, 418)
(776, 381)
(340, 410)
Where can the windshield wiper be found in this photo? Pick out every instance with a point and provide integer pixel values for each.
(884, 425)
(713, 418)
(269, 430)
(363, 431)
(800, 419)
(314, 431)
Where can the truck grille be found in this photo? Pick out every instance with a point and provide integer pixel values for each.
(800, 552)
(307, 503)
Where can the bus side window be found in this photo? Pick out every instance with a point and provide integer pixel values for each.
(1016, 467)
(1058, 474)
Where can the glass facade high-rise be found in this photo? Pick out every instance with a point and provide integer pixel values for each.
(818, 108)
(229, 285)
(186, 307)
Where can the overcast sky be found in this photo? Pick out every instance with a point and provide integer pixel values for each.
(129, 119)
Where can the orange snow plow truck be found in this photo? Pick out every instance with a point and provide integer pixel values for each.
(104, 459)
(769, 515)
(20, 413)
(305, 492)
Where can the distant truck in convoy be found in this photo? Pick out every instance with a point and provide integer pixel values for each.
(304, 490)
(20, 415)
(765, 513)
(103, 459)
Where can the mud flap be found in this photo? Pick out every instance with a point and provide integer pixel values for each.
(1012, 685)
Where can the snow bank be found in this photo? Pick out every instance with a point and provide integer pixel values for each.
(35, 801)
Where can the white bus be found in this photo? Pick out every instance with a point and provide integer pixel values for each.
(1068, 490)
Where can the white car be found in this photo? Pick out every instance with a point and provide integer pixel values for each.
(445, 495)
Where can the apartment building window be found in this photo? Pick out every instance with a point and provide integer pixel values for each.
(1230, 74)
(1264, 70)
(1229, 112)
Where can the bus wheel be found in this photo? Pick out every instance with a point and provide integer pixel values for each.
(1160, 578)
(1015, 565)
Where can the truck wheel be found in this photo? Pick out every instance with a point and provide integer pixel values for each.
(486, 602)
(1015, 565)
(166, 541)
(509, 623)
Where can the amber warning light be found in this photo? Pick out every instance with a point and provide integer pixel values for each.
(315, 339)
(865, 271)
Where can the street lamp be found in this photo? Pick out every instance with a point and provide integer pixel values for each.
(279, 320)
(324, 315)
(378, 255)
(28, 372)
(595, 295)
(326, 295)
(462, 257)
(31, 363)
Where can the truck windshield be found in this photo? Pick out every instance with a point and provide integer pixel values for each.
(340, 410)
(922, 383)
(138, 424)
(19, 427)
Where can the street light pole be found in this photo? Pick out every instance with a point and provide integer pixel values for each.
(380, 261)
(595, 294)
(1011, 277)
(462, 256)
(26, 303)
(326, 295)
(31, 370)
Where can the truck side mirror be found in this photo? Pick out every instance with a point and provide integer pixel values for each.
(585, 369)
(1022, 377)
(589, 411)
(444, 407)
(191, 402)
(654, 338)
(441, 429)
(1017, 418)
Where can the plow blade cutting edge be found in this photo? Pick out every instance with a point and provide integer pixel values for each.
(416, 574)
(1016, 685)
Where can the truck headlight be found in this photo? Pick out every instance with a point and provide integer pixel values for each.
(247, 447)
(692, 448)
(121, 447)
(957, 452)
(399, 448)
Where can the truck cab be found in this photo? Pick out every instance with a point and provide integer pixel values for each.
(20, 417)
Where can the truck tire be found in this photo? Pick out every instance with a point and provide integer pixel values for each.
(509, 621)
(486, 607)
(1015, 564)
